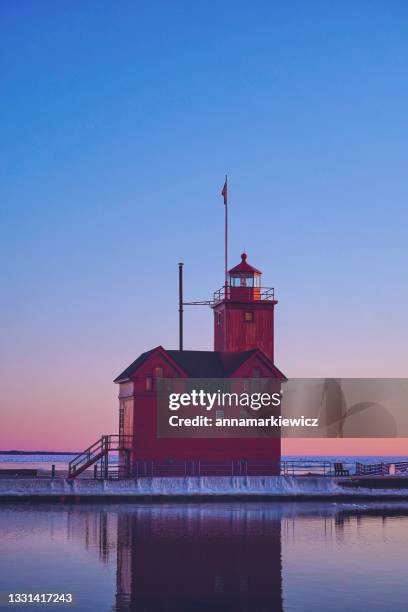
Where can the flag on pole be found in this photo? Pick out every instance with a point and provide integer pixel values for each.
(224, 192)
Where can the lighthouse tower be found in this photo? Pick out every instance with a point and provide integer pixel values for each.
(244, 312)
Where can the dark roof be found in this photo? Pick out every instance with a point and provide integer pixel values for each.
(133, 366)
(209, 364)
(243, 266)
(201, 364)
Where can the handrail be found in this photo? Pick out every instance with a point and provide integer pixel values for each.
(401, 467)
(298, 467)
(87, 452)
(98, 449)
(373, 469)
(253, 293)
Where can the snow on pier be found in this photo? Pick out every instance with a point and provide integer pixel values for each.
(252, 487)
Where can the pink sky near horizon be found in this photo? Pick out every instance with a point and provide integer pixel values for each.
(63, 403)
(58, 391)
(346, 446)
(60, 432)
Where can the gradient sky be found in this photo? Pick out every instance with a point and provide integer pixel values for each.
(119, 121)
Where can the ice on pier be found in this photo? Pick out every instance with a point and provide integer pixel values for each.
(192, 486)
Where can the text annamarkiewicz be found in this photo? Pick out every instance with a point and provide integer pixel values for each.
(205, 421)
(254, 401)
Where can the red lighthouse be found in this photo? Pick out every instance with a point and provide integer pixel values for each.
(243, 349)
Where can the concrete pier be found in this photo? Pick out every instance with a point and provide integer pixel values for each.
(199, 488)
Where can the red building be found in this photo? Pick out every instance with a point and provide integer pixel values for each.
(243, 348)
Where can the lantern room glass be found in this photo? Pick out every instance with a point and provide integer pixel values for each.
(245, 280)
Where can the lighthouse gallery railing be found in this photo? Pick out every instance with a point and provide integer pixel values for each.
(266, 294)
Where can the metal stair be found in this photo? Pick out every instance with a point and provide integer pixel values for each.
(99, 451)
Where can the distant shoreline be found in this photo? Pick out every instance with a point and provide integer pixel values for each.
(16, 452)
(287, 457)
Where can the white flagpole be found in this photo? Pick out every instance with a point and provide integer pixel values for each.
(226, 231)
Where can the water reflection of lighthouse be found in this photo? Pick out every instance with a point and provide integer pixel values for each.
(199, 557)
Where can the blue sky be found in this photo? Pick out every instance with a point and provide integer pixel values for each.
(119, 121)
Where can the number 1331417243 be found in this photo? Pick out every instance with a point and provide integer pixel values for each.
(39, 598)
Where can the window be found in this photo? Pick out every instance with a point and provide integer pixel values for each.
(121, 420)
(149, 383)
(218, 318)
(249, 317)
(158, 372)
(257, 373)
(242, 280)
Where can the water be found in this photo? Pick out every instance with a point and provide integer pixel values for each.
(232, 557)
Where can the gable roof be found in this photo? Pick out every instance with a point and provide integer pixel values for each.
(260, 355)
(134, 365)
(202, 364)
